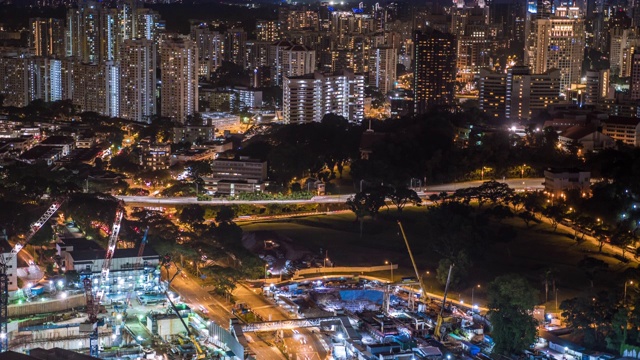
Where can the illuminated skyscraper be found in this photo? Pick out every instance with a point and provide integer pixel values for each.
(179, 69)
(435, 69)
(559, 44)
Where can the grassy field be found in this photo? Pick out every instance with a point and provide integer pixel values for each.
(535, 251)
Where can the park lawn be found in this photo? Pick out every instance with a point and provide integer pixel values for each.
(534, 251)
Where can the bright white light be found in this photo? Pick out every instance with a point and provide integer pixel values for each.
(340, 336)
(63, 295)
(60, 283)
(140, 338)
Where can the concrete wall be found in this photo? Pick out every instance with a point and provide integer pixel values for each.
(42, 307)
(65, 338)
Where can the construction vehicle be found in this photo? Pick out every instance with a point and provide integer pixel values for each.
(4, 281)
(200, 353)
(442, 322)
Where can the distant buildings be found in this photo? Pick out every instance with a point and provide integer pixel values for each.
(435, 69)
(309, 97)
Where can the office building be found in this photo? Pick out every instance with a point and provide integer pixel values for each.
(236, 176)
(528, 94)
(435, 69)
(138, 80)
(309, 97)
(179, 69)
(382, 68)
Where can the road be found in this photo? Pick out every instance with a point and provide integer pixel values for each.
(220, 312)
(516, 184)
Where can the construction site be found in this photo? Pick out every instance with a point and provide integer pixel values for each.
(123, 303)
(109, 303)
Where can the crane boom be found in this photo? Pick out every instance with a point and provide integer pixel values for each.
(35, 227)
(423, 291)
(111, 247)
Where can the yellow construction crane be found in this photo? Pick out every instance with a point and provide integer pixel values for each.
(440, 328)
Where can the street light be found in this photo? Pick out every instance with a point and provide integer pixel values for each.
(522, 171)
(266, 266)
(472, 289)
(390, 268)
(625, 291)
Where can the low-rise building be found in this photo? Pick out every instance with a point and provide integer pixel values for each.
(557, 181)
(123, 275)
(587, 137)
(192, 155)
(625, 129)
(235, 176)
(65, 143)
(11, 261)
(156, 156)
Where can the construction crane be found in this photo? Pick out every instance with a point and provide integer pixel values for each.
(4, 281)
(93, 303)
(35, 227)
(423, 291)
(440, 328)
(200, 354)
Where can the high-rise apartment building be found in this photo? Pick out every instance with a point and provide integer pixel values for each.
(179, 75)
(138, 80)
(298, 60)
(528, 94)
(435, 69)
(268, 30)
(382, 68)
(14, 81)
(234, 45)
(210, 46)
(309, 97)
(95, 87)
(47, 37)
(559, 43)
(635, 76)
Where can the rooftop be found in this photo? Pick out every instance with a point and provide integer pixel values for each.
(621, 120)
(58, 140)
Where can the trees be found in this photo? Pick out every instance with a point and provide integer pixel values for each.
(591, 316)
(591, 266)
(225, 214)
(192, 214)
(402, 196)
(511, 300)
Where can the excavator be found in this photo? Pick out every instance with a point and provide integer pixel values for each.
(200, 353)
(442, 322)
